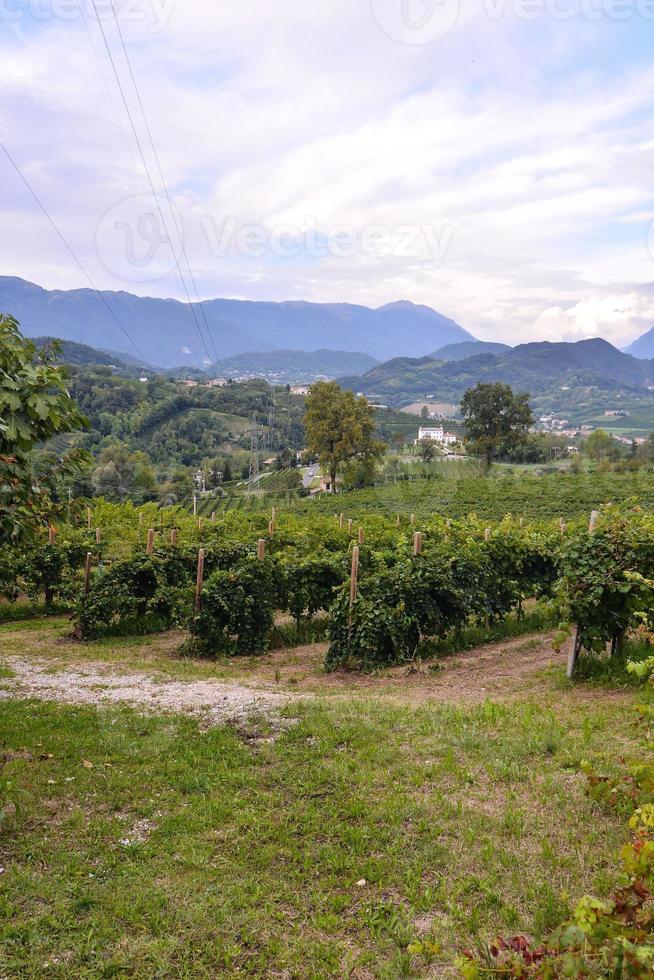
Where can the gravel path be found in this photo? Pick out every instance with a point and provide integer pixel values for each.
(97, 684)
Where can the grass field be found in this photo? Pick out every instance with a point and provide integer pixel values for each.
(443, 806)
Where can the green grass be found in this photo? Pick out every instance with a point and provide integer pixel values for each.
(611, 671)
(144, 846)
(13, 612)
(540, 617)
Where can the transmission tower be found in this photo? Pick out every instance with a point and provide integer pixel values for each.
(254, 453)
(271, 423)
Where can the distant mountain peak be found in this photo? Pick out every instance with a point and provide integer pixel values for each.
(643, 347)
(405, 304)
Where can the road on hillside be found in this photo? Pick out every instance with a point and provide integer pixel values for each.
(310, 475)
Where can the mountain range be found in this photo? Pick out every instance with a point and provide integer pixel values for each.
(277, 367)
(576, 378)
(168, 333)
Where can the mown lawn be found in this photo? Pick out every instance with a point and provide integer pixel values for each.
(146, 847)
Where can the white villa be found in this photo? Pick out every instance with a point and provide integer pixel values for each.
(435, 434)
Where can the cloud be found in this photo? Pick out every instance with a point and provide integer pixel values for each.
(518, 151)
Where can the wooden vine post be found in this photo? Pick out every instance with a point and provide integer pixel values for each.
(213, 517)
(149, 548)
(97, 535)
(576, 646)
(349, 526)
(173, 537)
(340, 520)
(271, 528)
(487, 534)
(417, 543)
(354, 579)
(413, 519)
(261, 549)
(141, 518)
(89, 518)
(51, 534)
(87, 573)
(198, 580)
(362, 535)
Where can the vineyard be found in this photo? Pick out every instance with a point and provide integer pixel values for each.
(382, 832)
(386, 586)
(554, 495)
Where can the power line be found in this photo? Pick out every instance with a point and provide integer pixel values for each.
(149, 177)
(71, 252)
(161, 177)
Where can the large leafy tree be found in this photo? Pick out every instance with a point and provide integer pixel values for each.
(600, 445)
(339, 427)
(496, 419)
(34, 406)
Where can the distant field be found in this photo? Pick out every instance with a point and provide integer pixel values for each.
(442, 408)
(554, 495)
(454, 493)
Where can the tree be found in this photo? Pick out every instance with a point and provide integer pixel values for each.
(227, 472)
(600, 445)
(427, 450)
(496, 419)
(34, 406)
(424, 412)
(339, 427)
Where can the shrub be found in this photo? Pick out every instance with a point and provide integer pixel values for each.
(606, 586)
(238, 610)
(134, 597)
(310, 583)
(52, 571)
(377, 633)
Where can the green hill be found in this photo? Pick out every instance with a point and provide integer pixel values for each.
(577, 380)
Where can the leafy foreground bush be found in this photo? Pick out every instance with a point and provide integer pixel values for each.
(142, 595)
(433, 595)
(238, 610)
(613, 938)
(606, 586)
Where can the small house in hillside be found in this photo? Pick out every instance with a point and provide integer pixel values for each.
(324, 485)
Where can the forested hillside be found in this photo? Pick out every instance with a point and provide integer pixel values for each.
(149, 433)
(577, 380)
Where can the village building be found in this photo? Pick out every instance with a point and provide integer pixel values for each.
(436, 433)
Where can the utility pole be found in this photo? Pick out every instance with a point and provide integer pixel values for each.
(195, 504)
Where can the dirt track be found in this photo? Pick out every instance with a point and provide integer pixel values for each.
(97, 683)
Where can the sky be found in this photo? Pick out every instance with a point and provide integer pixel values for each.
(492, 159)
